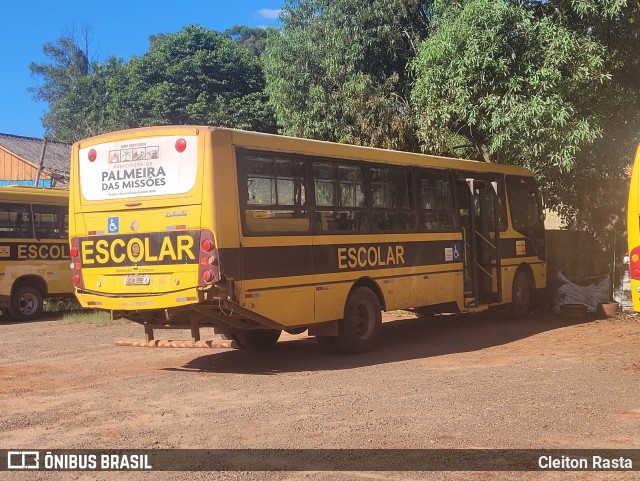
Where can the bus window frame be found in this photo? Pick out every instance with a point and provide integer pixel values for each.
(415, 210)
(451, 177)
(240, 155)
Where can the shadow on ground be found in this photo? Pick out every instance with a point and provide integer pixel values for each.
(401, 340)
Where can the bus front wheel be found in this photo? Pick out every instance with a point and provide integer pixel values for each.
(520, 295)
(26, 303)
(362, 324)
(257, 338)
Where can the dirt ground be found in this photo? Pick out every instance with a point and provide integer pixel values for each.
(475, 381)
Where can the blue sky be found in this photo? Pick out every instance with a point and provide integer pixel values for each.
(119, 28)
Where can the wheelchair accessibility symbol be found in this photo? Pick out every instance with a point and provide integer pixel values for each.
(113, 225)
(457, 255)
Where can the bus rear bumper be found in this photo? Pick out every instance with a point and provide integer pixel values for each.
(134, 303)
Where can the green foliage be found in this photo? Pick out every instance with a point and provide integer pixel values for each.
(549, 85)
(67, 66)
(61, 304)
(337, 70)
(195, 76)
(92, 318)
(253, 39)
(513, 85)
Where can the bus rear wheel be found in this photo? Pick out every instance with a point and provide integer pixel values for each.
(257, 338)
(360, 329)
(520, 295)
(26, 303)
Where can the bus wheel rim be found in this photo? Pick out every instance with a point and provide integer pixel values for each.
(28, 304)
(364, 321)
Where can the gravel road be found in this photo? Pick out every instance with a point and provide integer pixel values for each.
(480, 381)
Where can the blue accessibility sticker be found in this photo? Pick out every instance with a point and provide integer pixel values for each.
(457, 251)
(113, 225)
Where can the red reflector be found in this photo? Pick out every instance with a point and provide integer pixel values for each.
(73, 252)
(207, 245)
(93, 155)
(207, 276)
(181, 145)
(204, 260)
(76, 280)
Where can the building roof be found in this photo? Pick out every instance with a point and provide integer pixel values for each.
(57, 155)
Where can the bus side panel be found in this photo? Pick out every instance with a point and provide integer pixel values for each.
(340, 262)
(633, 231)
(427, 273)
(276, 280)
(220, 206)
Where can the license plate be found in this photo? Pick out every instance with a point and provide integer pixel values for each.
(137, 280)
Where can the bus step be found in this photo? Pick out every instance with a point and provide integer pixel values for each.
(180, 344)
(469, 301)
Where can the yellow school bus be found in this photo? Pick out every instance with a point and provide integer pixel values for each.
(633, 232)
(253, 234)
(34, 250)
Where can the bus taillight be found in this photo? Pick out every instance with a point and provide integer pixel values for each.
(76, 266)
(634, 263)
(208, 270)
(207, 245)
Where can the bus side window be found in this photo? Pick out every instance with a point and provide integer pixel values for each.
(47, 221)
(524, 203)
(339, 196)
(275, 193)
(392, 201)
(436, 201)
(15, 221)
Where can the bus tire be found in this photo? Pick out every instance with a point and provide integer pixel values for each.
(520, 295)
(256, 338)
(360, 329)
(26, 303)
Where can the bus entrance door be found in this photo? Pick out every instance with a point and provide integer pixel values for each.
(478, 204)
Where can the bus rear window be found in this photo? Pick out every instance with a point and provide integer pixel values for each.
(138, 167)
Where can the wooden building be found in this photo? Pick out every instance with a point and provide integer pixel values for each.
(20, 159)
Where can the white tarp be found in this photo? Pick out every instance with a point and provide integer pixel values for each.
(590, 296)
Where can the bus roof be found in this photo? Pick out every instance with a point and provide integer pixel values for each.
(285, 144)
(19, 193)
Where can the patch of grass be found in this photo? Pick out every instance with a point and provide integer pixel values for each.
(61, 304)
(91, 317)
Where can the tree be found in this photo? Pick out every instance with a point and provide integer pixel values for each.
(253, 39)
(337, 70)
(514, 86)
(195, 76)
(551, 85)
(68, 64)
